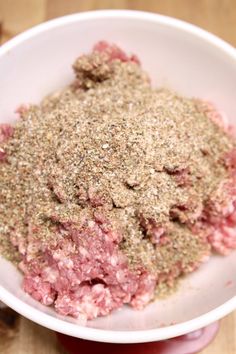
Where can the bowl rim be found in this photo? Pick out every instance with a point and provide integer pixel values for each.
(101, 335)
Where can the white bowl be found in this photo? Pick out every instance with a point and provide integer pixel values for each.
(176, 54)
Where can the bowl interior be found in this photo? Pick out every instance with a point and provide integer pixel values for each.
(176, 56)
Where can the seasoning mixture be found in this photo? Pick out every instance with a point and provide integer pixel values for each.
(111, 189)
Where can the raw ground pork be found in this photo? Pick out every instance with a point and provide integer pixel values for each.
(84, 271)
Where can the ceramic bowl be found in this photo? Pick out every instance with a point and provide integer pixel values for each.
(175, 54)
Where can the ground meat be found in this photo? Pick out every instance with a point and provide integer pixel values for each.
(85, 273)
(145, 290)
(114, 52)
(219, 217)
(6, 132)
(111, 190)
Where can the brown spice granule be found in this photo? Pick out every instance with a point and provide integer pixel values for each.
(111, 142)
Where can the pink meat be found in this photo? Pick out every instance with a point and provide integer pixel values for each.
(114, 52)
(145, 291)
(223, 237)
(230, 160)
(210, 110)
(3, 155)
(6, 132)
(152, 229)
(219, 216)
(219, 118)
(86, 273)
(39, 290)
(89, 302)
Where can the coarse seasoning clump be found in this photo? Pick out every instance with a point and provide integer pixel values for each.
(111, 189)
